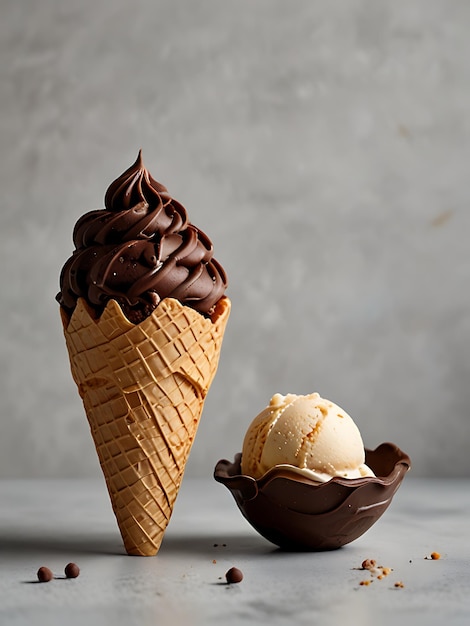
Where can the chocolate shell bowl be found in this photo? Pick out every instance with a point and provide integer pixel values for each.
(296, 513)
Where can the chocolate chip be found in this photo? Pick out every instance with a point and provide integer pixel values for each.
(72, 570)
(234, 575)
(44, 575)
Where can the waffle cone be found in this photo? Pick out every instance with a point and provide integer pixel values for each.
(143, 388)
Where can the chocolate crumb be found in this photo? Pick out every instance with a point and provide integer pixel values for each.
(72, 570)
(44, 575)
(234, 575)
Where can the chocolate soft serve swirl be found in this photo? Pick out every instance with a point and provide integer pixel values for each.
(138, 250)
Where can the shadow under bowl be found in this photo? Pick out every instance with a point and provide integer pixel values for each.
(297, 513)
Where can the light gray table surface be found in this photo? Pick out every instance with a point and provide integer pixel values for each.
(54, 522)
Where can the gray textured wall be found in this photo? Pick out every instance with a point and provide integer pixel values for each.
(324, 147)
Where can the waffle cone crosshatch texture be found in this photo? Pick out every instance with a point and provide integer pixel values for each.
(143, 389)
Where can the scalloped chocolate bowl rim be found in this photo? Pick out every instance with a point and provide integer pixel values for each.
(229, 473)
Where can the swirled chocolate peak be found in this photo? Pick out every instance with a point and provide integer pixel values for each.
(140, 249)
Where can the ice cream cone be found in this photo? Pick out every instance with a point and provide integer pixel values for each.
(143, 388)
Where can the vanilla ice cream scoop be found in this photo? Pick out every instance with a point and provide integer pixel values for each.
(306, 433)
